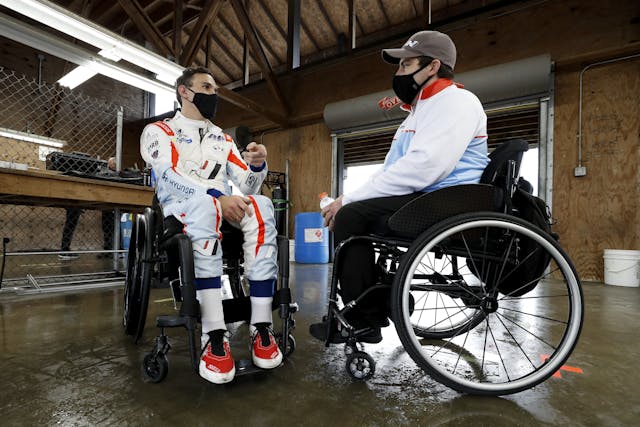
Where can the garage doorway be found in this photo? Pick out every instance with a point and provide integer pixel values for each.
(361, 152)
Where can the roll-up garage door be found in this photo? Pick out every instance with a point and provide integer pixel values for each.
(509, 122)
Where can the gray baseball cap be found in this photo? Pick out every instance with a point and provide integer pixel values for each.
(434, 44)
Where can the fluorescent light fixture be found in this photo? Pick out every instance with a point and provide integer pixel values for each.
(81, 74)
(76, 77)
(78, 27)
(30, 137)
(167, 79)
(46, 42)
(109, 54)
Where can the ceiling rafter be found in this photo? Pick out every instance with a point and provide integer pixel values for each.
(264, 41)
(178, 23)
(210, 57)
(105, 12)
(273, 20)
(149, 8)
(207, 15)
(146, 26)
(237, 37)
(384, 12)
(327, 18)
(263, 62)
(169, 16)
(220, 43)
(306, 30)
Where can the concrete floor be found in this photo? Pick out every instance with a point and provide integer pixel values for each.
(64, 360)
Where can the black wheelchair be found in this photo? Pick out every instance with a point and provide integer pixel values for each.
(160, 255)
(482, 300)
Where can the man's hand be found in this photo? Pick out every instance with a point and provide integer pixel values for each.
(234, 208)
(255, 154)
(329, 212)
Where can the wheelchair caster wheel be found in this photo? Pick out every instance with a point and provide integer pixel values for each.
(352, 348)
(360, 365)
(155, 367)
(291, 344)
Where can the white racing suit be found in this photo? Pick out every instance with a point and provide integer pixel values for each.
(193, 161)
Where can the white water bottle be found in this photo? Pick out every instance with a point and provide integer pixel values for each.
(325, 200)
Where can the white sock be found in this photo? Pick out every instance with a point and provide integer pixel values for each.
(261, 310)
(211, 312)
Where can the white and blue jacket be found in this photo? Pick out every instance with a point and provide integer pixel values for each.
(442, 142)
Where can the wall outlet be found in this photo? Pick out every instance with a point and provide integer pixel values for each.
(580, 171)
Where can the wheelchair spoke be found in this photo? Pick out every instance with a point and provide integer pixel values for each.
(527, 331)
(535, 315)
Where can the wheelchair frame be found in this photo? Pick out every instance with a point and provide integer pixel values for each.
(149, 259)
(447, 270)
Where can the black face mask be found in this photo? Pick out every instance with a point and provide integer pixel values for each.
(406, 88)
(206, 104)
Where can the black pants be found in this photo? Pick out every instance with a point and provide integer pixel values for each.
(71, 222)
(107, 229)
(357, 264)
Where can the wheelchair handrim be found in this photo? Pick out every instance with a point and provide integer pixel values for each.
(574, 317)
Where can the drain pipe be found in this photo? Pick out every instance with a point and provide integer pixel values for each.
(582, 170)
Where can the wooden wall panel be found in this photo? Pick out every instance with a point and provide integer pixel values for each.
(308, 150)
(600, 210)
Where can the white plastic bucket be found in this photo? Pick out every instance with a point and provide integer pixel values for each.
(621, 268)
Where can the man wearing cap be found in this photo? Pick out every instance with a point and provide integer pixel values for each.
(442, 142)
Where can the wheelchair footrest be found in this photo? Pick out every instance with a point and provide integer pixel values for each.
(245, 367)
(170, 321)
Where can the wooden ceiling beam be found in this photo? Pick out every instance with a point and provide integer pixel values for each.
(178, 22)
(263, 62)
(146, 26)
(208, 14)
(293, 34)
(188, 4)
(249, 105)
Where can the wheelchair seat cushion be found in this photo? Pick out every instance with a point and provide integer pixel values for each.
(431, 208)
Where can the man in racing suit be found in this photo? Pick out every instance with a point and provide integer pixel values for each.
(193, 160)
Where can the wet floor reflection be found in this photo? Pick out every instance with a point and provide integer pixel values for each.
(64, 360)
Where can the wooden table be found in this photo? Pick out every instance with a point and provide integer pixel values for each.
(48, 188)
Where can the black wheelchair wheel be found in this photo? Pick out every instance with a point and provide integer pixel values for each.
(155, 367)
(131, 311)
(360, 365)
(510, 343)
(138, 276)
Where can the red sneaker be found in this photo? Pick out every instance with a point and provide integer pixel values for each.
(265, 352)
(216, 363)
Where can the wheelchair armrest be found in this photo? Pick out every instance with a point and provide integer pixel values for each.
(431, 208)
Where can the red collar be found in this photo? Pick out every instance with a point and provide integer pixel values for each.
(435, 87)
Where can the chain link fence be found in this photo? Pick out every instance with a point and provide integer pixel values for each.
(49, 127)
